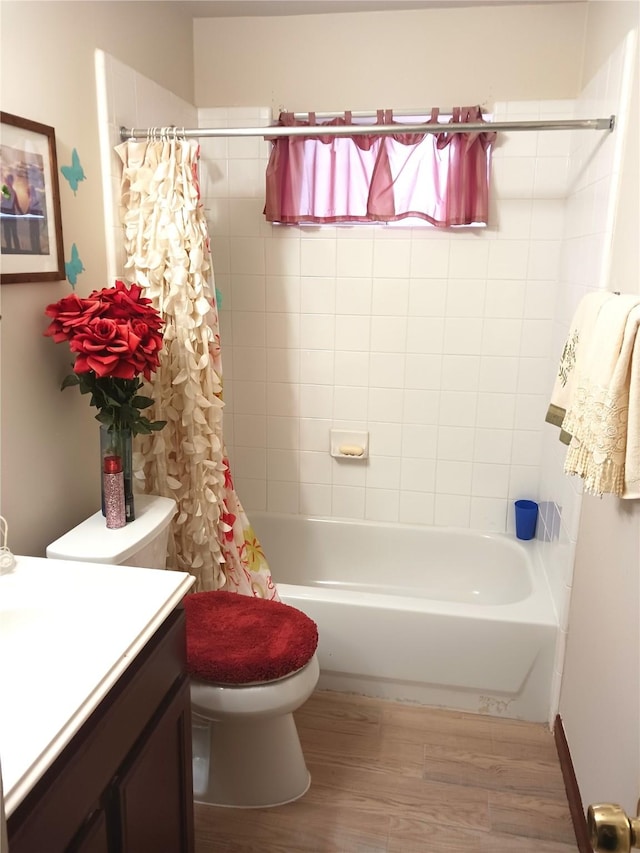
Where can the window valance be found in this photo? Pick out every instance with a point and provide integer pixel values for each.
(442, 178)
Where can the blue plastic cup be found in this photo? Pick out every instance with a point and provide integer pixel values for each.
(526, 519)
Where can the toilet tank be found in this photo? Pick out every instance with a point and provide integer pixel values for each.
(142, 542)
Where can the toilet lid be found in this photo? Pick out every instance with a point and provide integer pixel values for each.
(237, 639)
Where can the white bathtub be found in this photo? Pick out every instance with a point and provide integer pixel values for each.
(431, 615)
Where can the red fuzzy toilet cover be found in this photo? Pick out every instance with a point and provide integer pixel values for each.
(237, 639)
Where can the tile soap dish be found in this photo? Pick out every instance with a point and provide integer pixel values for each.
(349, 444)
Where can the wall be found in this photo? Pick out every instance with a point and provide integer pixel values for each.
(438, 343)
(50, 440)
(586, 264)
(316, 61)
(435, 342)
(600, 698)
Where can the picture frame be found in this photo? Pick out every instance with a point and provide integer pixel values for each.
(31, 248)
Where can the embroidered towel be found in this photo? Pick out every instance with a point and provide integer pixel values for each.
(604, 445)
(574, 356)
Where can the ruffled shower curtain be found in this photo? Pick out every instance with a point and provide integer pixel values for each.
(167, 247)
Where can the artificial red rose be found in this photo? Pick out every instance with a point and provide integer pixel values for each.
(127, 303)
(106, 347)
(69, 313)
(116, 335)
(148, 353)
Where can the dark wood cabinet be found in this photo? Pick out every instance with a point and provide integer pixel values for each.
(124, 782)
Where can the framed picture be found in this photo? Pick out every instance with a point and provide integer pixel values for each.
(30, 222)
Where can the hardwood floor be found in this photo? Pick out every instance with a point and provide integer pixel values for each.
(393, 778)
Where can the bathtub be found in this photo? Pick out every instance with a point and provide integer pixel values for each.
(438, 616)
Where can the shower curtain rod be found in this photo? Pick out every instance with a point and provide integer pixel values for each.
(362, 130)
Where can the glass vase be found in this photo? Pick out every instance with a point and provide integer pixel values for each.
(118, 442)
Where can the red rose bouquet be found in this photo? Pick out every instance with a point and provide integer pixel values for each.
(115, 335)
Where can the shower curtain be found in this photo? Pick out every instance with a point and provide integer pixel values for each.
(167, 247)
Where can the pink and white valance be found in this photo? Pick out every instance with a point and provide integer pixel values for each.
(442, 178)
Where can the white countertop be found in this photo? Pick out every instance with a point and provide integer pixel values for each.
(68, 630)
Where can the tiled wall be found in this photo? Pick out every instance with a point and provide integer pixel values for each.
(436, 342)
(128, 99)
(584, 264)
(442, 345)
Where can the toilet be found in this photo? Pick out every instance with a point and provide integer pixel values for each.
(252, 663)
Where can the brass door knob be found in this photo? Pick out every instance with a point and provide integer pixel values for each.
(611, 830)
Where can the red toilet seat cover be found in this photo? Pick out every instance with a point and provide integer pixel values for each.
(237, 639)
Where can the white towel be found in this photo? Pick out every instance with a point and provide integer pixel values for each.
(574, 355)
(604, 448)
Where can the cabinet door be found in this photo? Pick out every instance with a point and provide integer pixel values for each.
(154, 789)
(93, 837)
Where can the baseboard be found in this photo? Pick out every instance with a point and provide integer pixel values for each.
(574, 799)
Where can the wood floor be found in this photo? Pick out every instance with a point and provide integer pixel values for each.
(393, 778)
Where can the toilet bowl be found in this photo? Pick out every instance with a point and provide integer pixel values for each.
(246, 750)
(252, 664)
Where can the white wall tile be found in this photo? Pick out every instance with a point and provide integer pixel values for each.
(429, 259)
(353, 295)
(508, 259)
(314, 499)
(455, 444)
(316, 366)
(351, 368)
(382, 505)
(385, 438)
(354, 258)
(282, 257)
(282, 497)
(283, 432)
(318, 257)
(418, 475)
(462, 336)
(452, 510)
(459, 372)
(349, 402)
(387, 370)
(248, 293)
(347, 501)
(282, 293)
(316, 401)
(427, 297)
(391, 258)
(389, 334)
(419, 440)
(499, 373)
(390, 297)
(353, 332)
(468, 259)
(318, 331)
(505, 299)
(317, 295)
(422, 371)
(383, 472)
(465, 298)
(283, 465)
(416, 508)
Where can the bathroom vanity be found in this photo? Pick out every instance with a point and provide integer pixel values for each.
(95, 719)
